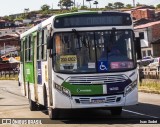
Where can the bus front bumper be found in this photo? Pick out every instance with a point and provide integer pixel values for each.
(64, 102)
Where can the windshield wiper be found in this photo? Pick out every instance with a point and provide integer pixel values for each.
(77, 35)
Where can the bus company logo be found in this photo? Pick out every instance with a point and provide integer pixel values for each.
(6, 121)
(28, 71)
(21, 121)
(85, 90)
(114, 88)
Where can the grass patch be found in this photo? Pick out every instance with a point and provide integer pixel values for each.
(11, 77)
(150, 86)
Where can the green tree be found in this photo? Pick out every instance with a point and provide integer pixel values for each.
(109, 6)
(7, 18)
(96, 3)
(74, 9)
(65, 3)
(83, 7)
(158, 6)
(118, 5)
(138, 4)
(18, 18)
(11, 18)
(128, 6)
(45, 7)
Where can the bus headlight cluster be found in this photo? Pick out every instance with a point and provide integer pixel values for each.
(62, 90)
(130, 87)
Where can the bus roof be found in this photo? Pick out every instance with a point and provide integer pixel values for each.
(49, 21)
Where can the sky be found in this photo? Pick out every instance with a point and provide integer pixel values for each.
(8, 7)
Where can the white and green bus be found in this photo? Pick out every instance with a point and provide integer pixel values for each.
(80, 60)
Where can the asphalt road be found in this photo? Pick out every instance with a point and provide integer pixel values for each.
(14, 105)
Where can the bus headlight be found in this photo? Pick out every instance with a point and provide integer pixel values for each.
(62, 90)
(130, 87)
(58, 87)
(66, 91)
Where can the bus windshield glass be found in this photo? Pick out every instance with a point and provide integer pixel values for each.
(88, 52)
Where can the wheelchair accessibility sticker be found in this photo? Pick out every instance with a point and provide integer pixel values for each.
(102, 66)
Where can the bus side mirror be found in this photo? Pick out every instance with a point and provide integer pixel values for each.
(138, 48)
(49, 42)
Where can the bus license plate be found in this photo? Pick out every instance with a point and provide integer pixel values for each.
(99, 100)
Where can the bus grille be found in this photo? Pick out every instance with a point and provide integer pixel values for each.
(101, 79)
(87, 100)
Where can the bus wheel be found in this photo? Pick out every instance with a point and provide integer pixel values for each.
(32, 105)
(53, 113)
(116, 110)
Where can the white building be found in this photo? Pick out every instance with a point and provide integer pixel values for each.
(16, 30)
(149, 34)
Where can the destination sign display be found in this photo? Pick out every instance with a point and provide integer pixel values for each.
(88, 20)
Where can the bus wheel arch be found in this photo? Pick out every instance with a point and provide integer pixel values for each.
(53, 113)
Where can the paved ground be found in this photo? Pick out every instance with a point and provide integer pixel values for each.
(14, 105)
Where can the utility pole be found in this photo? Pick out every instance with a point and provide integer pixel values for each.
(134, 3)
(74, 4)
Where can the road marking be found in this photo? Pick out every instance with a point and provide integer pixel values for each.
(139, 113)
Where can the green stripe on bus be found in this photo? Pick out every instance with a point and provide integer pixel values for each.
(34, 34)
(84, 89)
(29, 74)
(71, 14)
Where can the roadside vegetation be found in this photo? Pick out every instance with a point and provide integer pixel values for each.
(11, 77)
(66, 6)
(150, 86)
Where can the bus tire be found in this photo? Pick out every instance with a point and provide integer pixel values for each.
(53, 113)
(116, 111)
(32, 105)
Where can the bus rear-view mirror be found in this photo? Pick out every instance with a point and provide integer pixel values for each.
(49, 42)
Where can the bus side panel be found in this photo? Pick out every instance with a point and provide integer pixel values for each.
(21, 79)
(29, 72)
(39, 82)
(132, 97)
(42, 81)
(29, 78)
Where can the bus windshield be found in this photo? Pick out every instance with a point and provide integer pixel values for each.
(88, 52)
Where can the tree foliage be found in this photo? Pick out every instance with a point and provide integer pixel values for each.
(74, 9)
(109, 6)
(158, 6)
(138, 4)
(45, 7)
(83, 7)
(118, 5)
(128, 6)
(65, 3)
